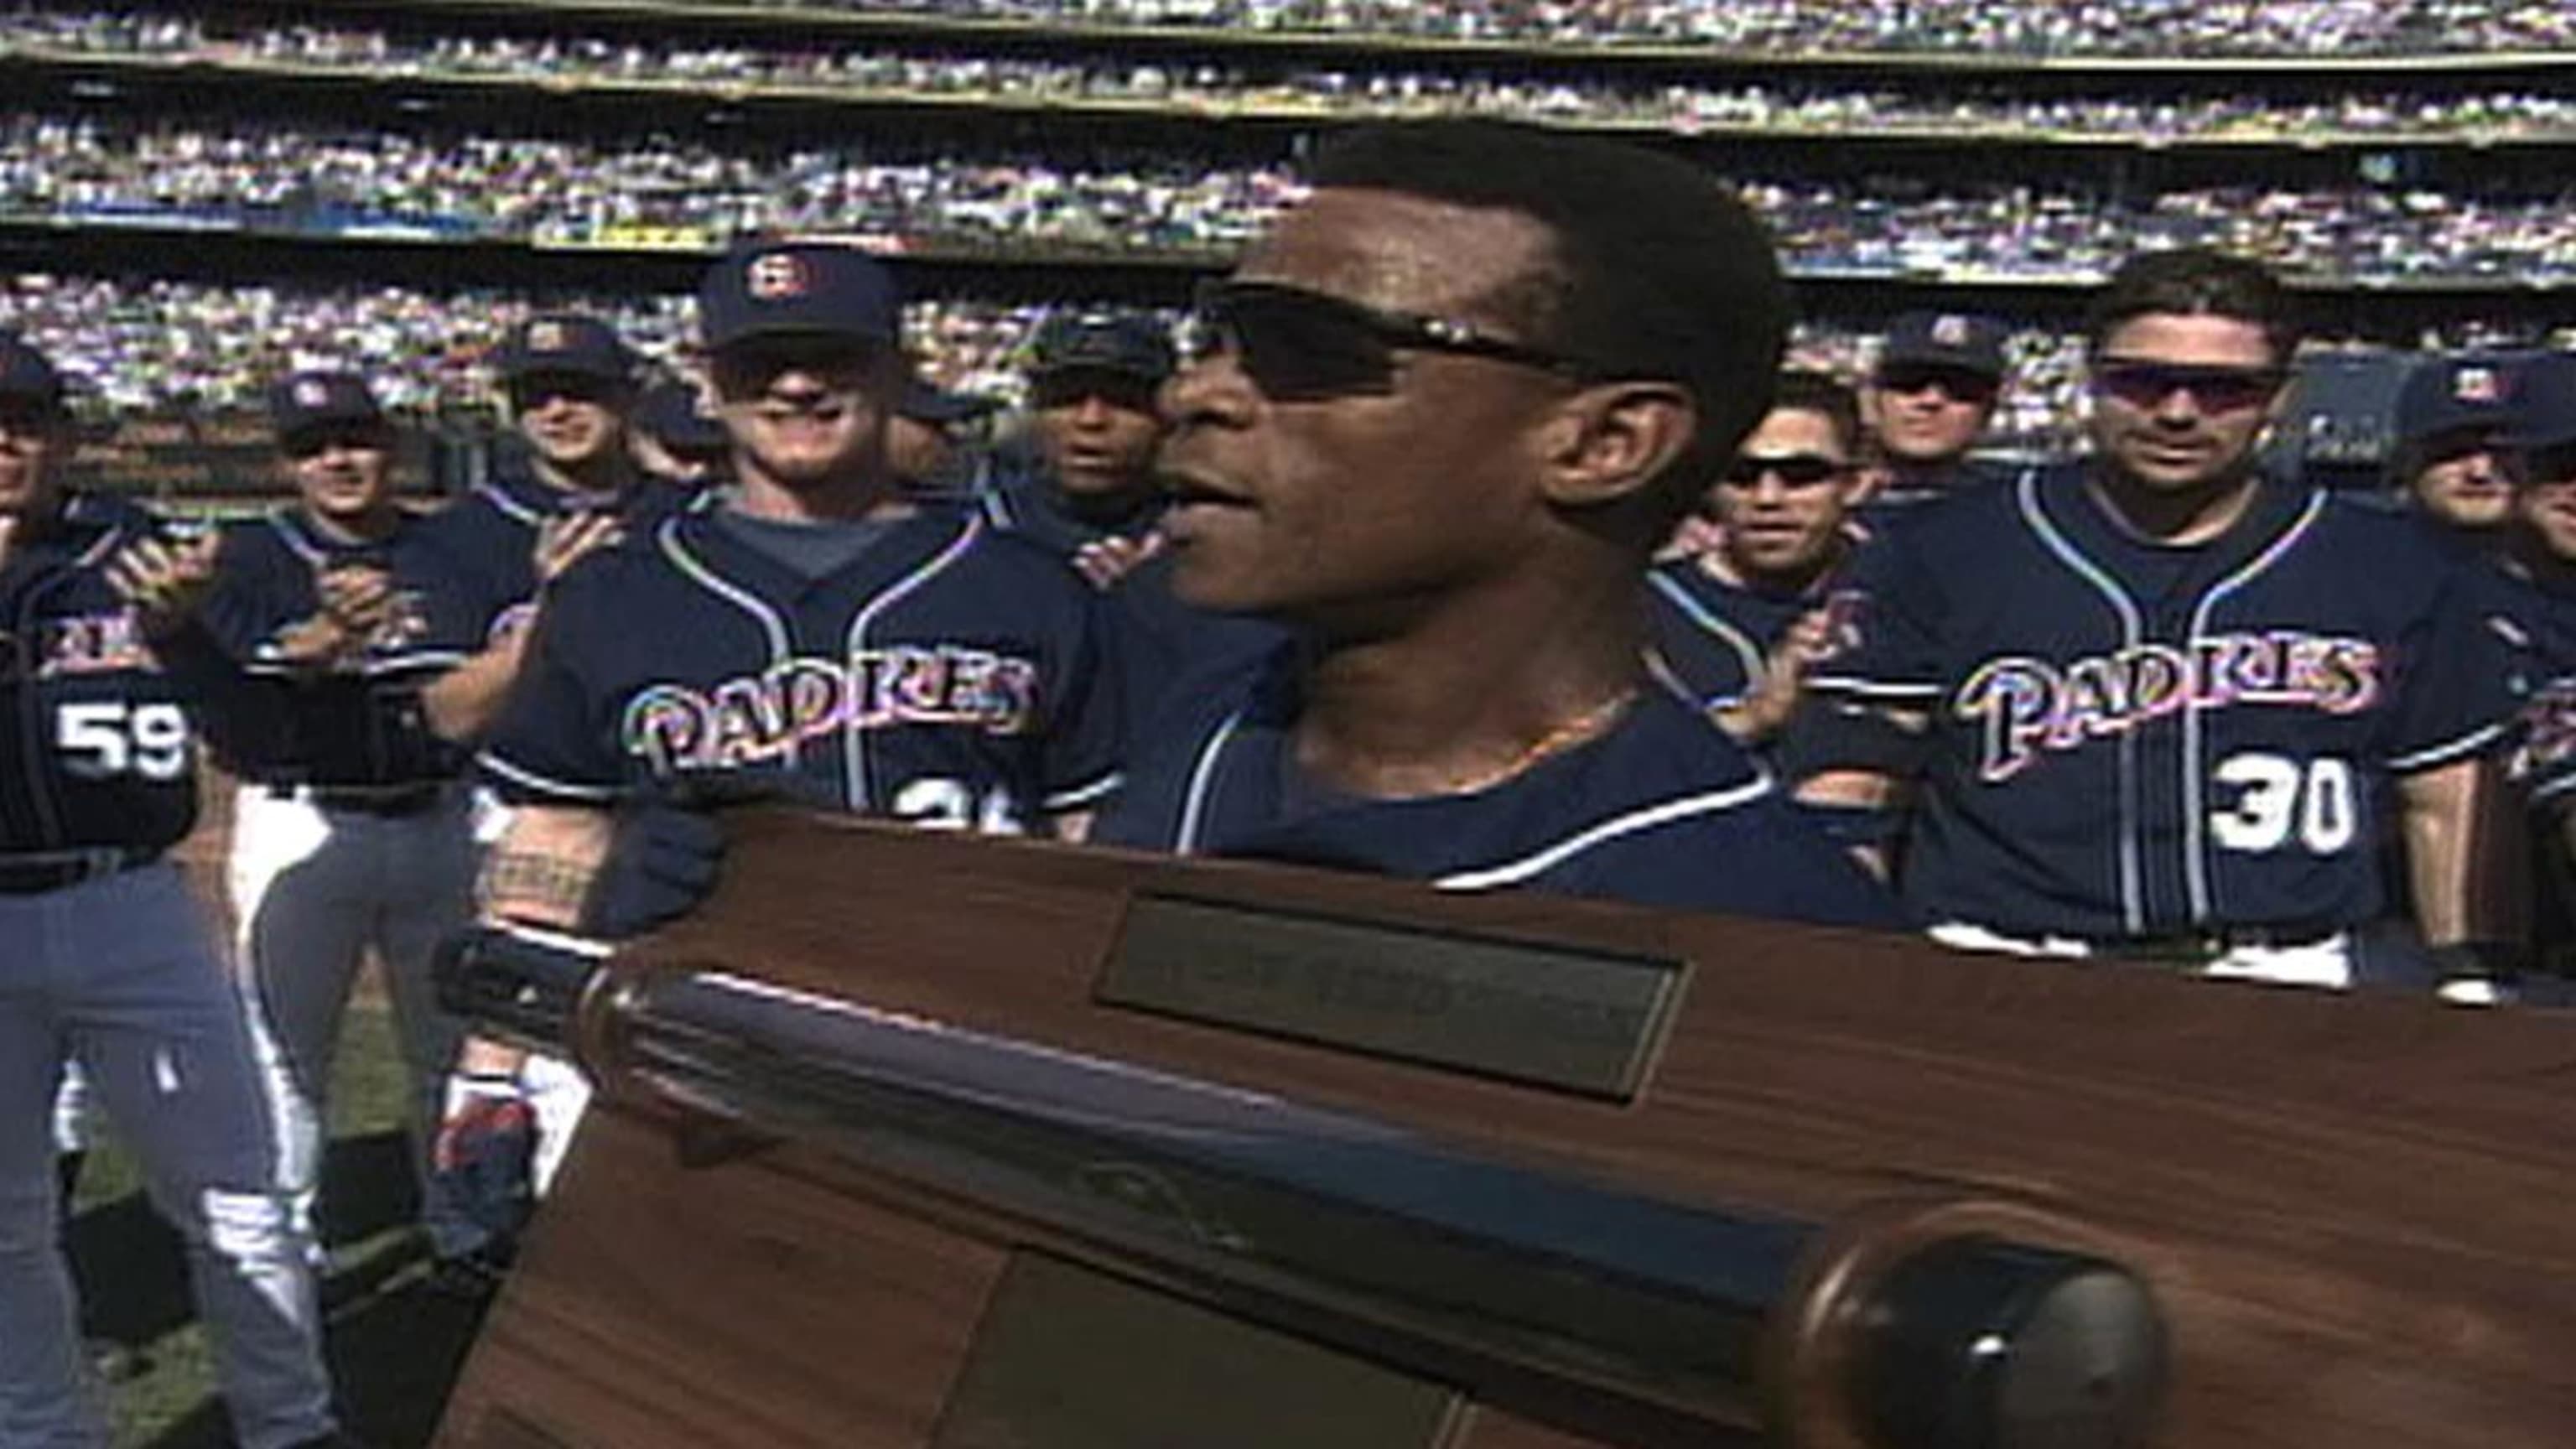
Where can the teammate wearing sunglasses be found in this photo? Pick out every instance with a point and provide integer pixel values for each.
(1737, 625)
(1928, 402)
(2154, 701)
(1441, 416)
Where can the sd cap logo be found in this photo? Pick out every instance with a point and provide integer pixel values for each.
(312, 392)
(2477, 385)
(777, 277)
(1950, 330)
(546, 337)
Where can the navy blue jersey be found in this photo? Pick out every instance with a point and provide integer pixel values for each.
(2538, 619)
(2128, 740)
(1714, 636)
(1161, 640)
(1663, 810)
(266, 584)
(949, 675)
(360, 724)
(96, 747)
(492, 530)
(1028, 503)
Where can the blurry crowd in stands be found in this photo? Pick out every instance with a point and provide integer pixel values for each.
(137, 347)
(2029, 27)
(919, 195)
(872, 69)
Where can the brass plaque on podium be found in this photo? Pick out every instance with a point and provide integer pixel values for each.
(1067, 1358)
(1558, 1016)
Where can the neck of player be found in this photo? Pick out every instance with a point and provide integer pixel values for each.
(1472, 689)
(843, 497)
(609, 472)
(2179, 517)
(368, 525)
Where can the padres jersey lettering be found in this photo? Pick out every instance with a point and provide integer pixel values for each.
(100, 750)
(947, 675)
(2130, 740)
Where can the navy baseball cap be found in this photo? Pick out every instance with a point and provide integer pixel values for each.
(2546, 388)
(24, 372)
(1102, 340)
(1964, 341)
(924, 403)
(303, 402)
(2449, 394)
(565, 342)
(799, 288)
(669, 412)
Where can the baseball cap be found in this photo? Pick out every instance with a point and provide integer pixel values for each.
(24, 372)
(2446, 394)
(924, 403)
(1962, 340)
(799, 287)
(301, 402)
(2546, 391)
(564, 342)
(1102, 340)
(669, 412)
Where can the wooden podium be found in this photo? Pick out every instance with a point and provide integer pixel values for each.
(915, 1140)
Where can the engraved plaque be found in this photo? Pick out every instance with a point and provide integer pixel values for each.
(1067, 1358)
(1559, 1016)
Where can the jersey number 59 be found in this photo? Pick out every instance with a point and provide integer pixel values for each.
(107, 738)
(2278, 797)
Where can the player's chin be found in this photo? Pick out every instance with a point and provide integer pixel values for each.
(1219, 580)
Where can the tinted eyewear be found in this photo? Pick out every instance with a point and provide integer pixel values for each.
(1297, 344)
(1795, 470)
(1951, 383)
(2215, 389)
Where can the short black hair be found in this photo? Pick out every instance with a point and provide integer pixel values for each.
(1661, 272)
(1807, 391)
(2195, 282)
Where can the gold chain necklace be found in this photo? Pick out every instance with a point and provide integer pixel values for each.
(1583, 727)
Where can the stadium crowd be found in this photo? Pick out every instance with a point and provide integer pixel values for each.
(2023, 27)
(918, 193)
(1386, 88)
(1430, 456)
(140, 347)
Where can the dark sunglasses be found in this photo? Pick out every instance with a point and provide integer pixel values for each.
(312, 443)
(1299, 345)
(1794, 470)
(537, 389)
(1950, 382)
(2215, 389)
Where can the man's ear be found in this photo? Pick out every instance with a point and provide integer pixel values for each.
(1613, 440)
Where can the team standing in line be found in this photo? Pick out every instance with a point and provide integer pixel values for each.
(1356, 585)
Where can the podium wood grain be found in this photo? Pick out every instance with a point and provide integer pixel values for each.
(2358, 1213)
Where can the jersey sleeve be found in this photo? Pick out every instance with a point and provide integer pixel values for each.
(1086, 727)
(555, 742)
(2454, 700)
(1884, 640)
(253, 597)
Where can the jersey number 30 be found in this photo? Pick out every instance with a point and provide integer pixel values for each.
(108, 738)
(2278, 798)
